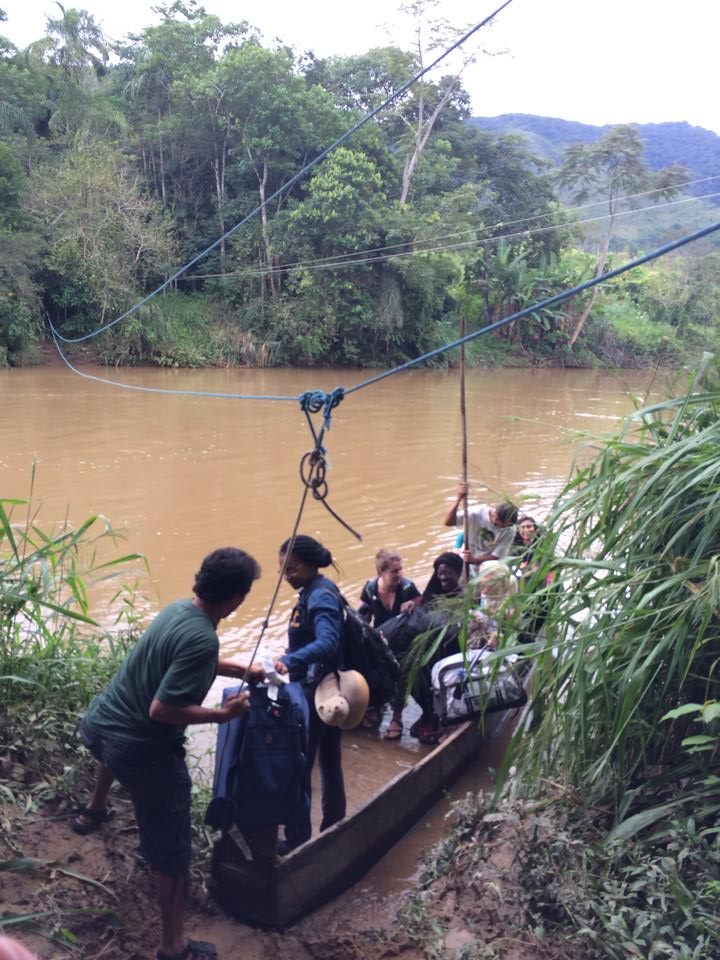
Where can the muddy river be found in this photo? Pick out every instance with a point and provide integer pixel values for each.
(179, 476)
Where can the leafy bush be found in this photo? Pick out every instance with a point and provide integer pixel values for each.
(654, 898)
(170, 331)
(636, 330)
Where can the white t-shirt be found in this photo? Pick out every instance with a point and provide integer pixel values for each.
(484, 535)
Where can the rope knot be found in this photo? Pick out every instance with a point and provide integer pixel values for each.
(314, 466)
(333, 399)
(313, 401)
(313, 473)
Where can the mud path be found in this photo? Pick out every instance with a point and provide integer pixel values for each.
(103, 876)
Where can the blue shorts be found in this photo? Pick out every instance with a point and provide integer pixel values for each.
(158, 783)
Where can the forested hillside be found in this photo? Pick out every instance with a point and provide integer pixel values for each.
(119, 164)
(665, 143)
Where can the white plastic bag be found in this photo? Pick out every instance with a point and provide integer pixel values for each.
(469, 685)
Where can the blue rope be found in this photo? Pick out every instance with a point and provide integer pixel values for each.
(542, 304)
(286, 186)
(177, 393)
(314, 401)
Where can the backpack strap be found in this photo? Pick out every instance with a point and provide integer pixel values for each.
(372, 588)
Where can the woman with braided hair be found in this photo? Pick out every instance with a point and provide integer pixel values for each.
(314, 640)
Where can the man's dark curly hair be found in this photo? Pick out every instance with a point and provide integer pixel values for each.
(506, 512)
(224, 573)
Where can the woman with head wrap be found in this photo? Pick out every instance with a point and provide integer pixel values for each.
(445, 581)
(314, 638)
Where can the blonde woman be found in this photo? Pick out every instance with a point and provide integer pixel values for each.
(495, 585)
(389, 593)
(385, 596)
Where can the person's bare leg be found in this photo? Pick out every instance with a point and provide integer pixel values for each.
(395, 727)
(12, 950)
(172, 893)
(98, 799)
(103, 781)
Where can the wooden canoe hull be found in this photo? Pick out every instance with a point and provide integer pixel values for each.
(274, 893)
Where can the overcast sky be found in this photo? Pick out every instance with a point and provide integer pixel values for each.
(597, 61)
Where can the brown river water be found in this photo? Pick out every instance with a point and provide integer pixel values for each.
(182, 475)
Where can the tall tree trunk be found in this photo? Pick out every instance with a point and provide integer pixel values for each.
(411, 161)
(219, 171)
(423, 129)
(600, 269)
(262, 185)
(163, 192)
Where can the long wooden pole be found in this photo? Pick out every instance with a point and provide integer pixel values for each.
(463, 417)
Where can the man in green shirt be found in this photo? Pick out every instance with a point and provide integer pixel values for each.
(135, 728)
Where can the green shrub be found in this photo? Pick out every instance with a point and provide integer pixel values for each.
(635, 329)
(629, 854)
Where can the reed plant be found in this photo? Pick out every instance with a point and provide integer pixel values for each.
(53, 656)
(633, 630)
(619, 750)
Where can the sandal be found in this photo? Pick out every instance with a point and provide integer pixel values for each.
(417, 727)
(96, 819)
(394, 730)
(423, 721)
(429, 733)
(372, 719)
(194, 950)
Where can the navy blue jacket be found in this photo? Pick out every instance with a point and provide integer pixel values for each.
(315, 631)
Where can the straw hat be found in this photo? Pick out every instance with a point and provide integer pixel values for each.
(341, 699)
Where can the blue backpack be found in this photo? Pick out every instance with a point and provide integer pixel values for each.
(261, 762)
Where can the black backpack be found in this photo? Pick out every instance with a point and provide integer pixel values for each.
(402, 630)
(366, 650)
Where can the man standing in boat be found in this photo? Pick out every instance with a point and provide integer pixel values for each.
(491, 530)
(135, 729)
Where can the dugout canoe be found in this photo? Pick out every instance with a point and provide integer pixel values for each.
(257, 887)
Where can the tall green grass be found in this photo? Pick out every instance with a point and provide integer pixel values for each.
(633, 630)
(178, 330)
(53, 656)
(619, 749)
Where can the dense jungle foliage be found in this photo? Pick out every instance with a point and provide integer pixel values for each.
(120, 163)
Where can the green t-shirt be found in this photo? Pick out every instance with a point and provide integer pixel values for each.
(174, 661)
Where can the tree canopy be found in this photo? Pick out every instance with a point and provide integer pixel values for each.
(119, 163)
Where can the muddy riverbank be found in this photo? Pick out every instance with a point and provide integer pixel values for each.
(94, 897)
